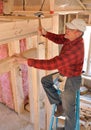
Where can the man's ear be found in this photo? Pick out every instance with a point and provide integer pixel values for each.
(79, 33)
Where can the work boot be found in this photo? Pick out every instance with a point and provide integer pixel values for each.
(59, 111)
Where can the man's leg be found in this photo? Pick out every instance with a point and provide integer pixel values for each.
(68, 103)
(69, 100)
(51, 92)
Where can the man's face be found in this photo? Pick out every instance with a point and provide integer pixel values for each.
(72, 34)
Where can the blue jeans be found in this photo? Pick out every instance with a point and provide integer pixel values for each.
(68, 97)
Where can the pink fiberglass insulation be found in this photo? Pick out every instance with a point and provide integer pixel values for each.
(6, 96)
(24, 70)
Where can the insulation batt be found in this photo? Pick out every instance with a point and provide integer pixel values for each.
(5, 86)
(6, 95)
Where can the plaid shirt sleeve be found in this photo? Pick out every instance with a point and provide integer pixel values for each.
(44, 64)
(59, 62)
(57, 38)
(69, 61)
(53, 63)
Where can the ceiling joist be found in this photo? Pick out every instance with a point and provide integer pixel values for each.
(81, 4)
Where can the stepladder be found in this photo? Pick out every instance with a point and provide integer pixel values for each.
(54, 120)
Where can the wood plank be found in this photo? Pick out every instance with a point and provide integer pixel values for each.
(19, 29)
(31, 42)
(51, 53)
(31, 5)
(16, 79)
(17, 89)
(81, 4)
(8, 6)
(89, 57)
(5, 65)
(85, 99)
(34, 98)
(42, 51)
(33, 83)
(30, 53)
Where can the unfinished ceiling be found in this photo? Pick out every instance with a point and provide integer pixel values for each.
(59, 4)
(72, 4)
(49, 5)
(31, 4)
(87, 4)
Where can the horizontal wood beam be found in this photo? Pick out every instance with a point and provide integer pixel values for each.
(20, 29)
(17, 29)
(5, 65)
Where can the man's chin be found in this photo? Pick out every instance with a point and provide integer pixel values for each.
(67, 37)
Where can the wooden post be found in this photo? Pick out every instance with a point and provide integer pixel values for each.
(34, 98)
(16, 79)
(33, 87)
(50, 53)
(89, 57)
(8, 6)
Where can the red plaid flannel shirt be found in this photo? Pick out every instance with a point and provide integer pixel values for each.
(69, 62)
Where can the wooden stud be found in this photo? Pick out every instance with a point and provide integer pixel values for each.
(51, 53)
(81, 4)
(8, 6)
(34, 98)
(5, 64)
(16, 80)
(89, 57)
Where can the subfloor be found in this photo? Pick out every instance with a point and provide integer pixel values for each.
(10, 120)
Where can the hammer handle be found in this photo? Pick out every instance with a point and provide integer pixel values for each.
(40, 26)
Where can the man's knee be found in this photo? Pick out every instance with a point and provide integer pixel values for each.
(47, 81)
(43, 79)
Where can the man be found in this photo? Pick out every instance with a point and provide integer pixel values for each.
(69, 63)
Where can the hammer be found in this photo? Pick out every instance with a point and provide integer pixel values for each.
(39, 15)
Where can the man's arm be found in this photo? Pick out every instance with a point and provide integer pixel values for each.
(57, 38)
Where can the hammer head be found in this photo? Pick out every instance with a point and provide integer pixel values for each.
(39, 14)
